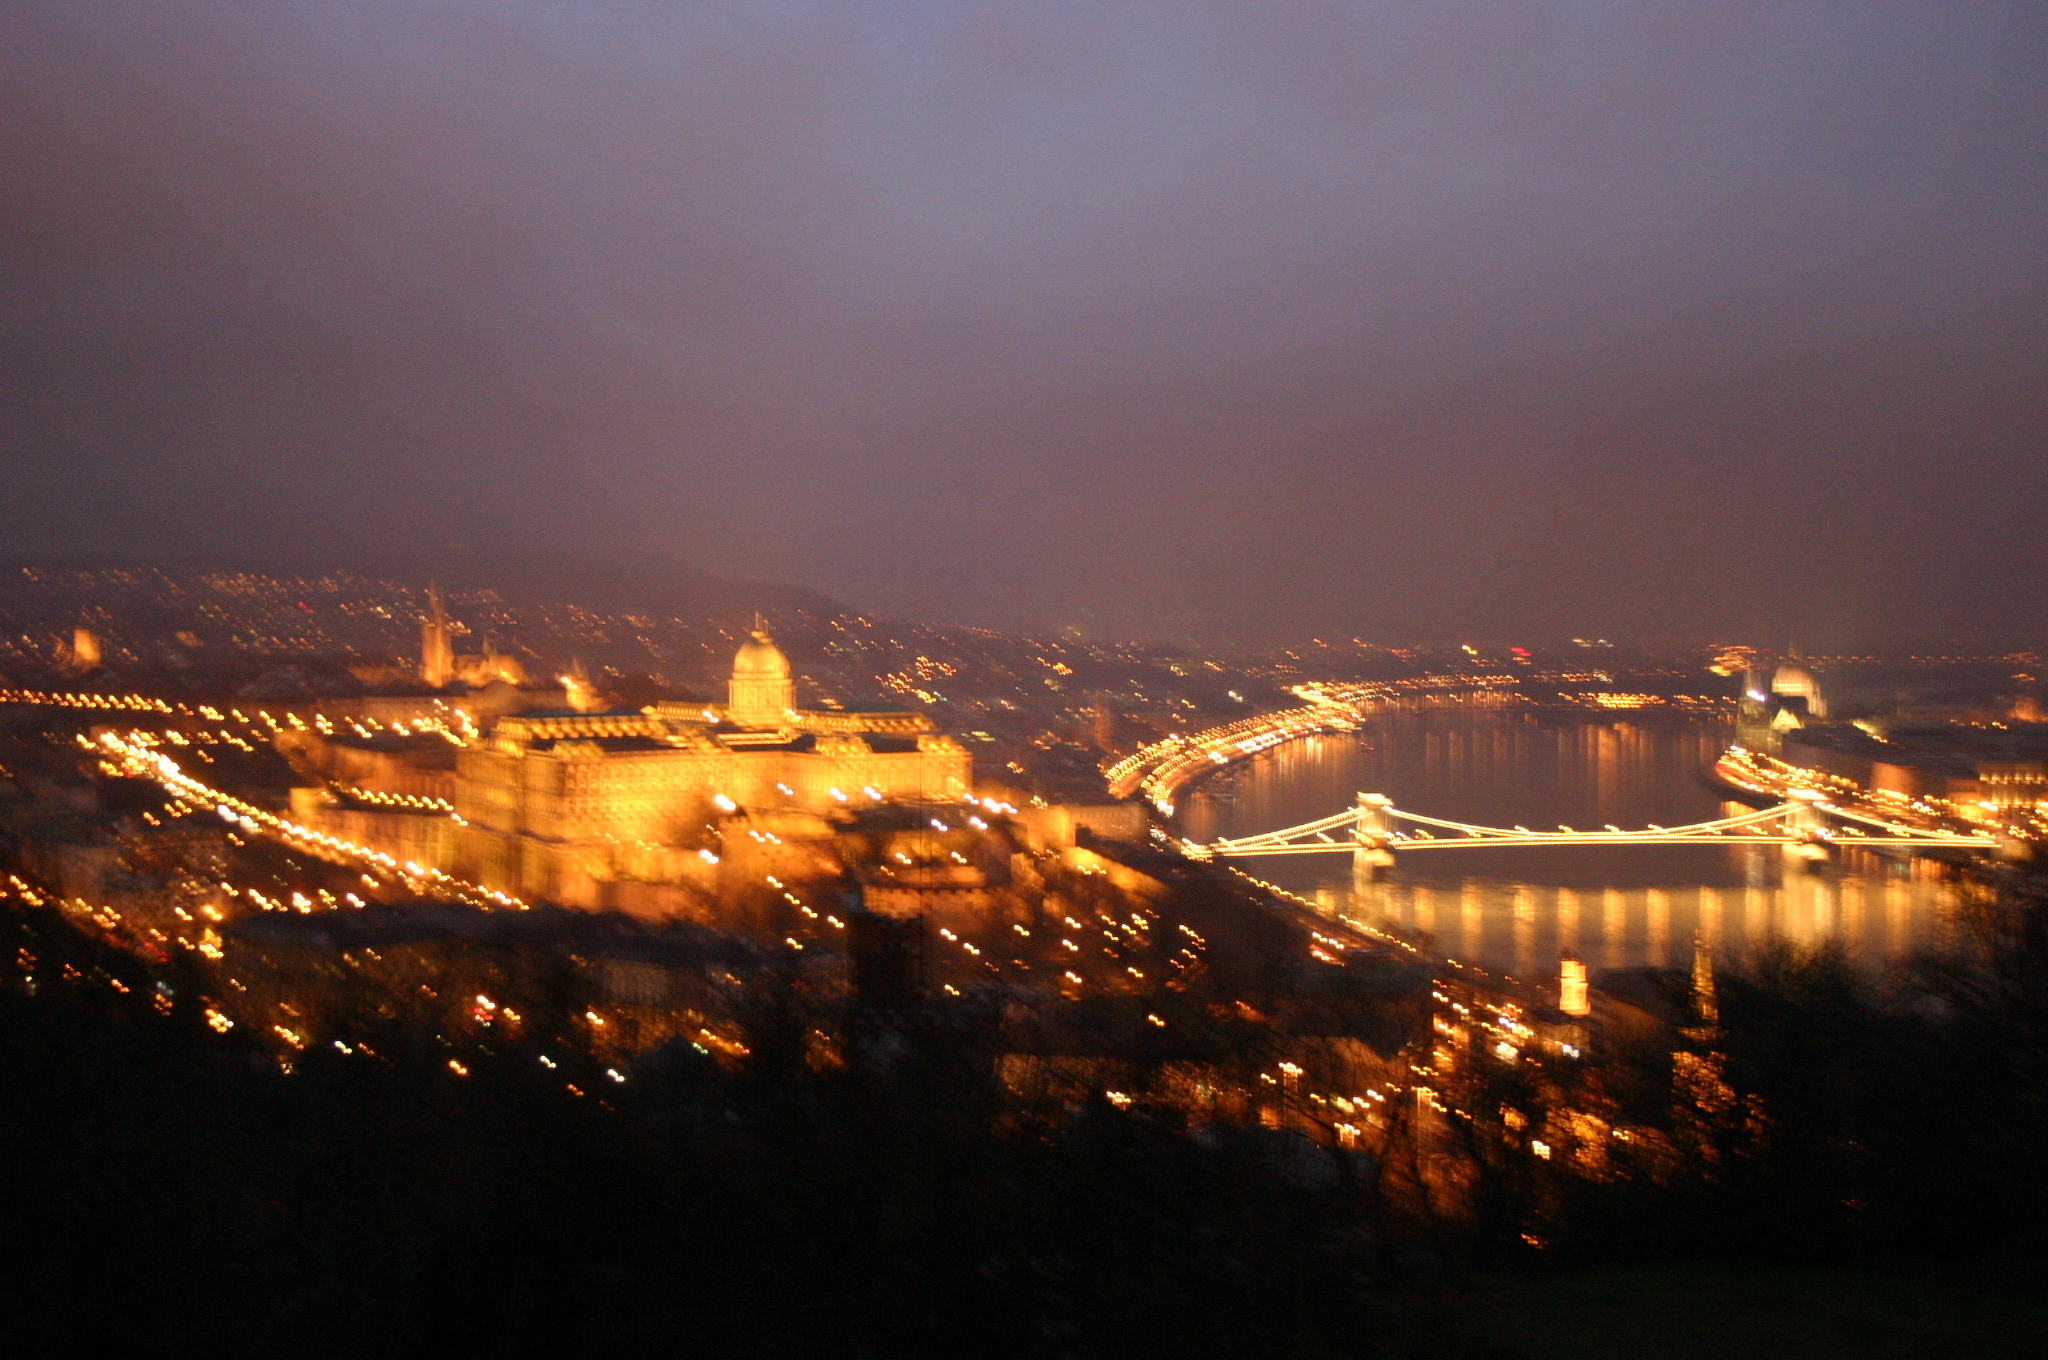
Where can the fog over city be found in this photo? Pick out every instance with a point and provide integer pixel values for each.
(1398, 319)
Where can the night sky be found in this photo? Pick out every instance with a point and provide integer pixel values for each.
(1403, 320)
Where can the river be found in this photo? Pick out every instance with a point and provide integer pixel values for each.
(1517, 910)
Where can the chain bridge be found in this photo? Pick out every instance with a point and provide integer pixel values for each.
(1807, 825)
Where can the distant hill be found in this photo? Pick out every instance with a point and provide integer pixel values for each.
(624, 582)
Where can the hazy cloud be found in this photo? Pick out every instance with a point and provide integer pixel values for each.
(1401, 318)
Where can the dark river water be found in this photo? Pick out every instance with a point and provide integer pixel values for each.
(1518, 909)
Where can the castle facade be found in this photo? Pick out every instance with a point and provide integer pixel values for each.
(558, 805)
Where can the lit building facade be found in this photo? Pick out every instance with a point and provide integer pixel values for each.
(556, 805)
(1793, 681)
(1794, 699)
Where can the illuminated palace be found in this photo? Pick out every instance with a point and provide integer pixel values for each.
(560, 804)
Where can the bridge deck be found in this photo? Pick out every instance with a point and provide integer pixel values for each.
(1371, 826)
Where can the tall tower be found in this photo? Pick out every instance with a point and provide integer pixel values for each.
(1574, 996)
(1105, 724)
(437, 654)
(583, 695)
(85, 649)
(1702, 1099)
(1705, 1008)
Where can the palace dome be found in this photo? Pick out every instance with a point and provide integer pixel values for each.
(1793, 679)
(760, 659)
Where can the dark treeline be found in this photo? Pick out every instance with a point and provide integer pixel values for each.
(172, 1188)
(1845, 1117)
(1902, 1117)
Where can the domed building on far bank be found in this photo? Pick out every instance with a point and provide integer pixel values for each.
(1794, 682)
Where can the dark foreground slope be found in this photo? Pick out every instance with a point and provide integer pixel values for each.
(172, 1190)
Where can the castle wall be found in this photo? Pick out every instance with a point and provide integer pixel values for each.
(424, 838)
(384, 770)
(562, 822)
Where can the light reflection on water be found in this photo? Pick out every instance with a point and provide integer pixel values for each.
(1517, 909)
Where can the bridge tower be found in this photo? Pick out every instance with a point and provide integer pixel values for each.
(1374, 834)
(1805, 823)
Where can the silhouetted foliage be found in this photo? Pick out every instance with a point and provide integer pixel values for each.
(1881, 1116)
(178, 1189)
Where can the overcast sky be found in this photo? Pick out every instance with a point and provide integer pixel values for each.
(1399, 319)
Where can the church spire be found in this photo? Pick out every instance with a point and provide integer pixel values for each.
(582, 694)
(437, 654)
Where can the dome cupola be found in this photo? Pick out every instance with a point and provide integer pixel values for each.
(759, 658)
(1794, 681)
(762, 691)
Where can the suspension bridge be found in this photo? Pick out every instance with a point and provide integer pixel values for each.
(1807, 824)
